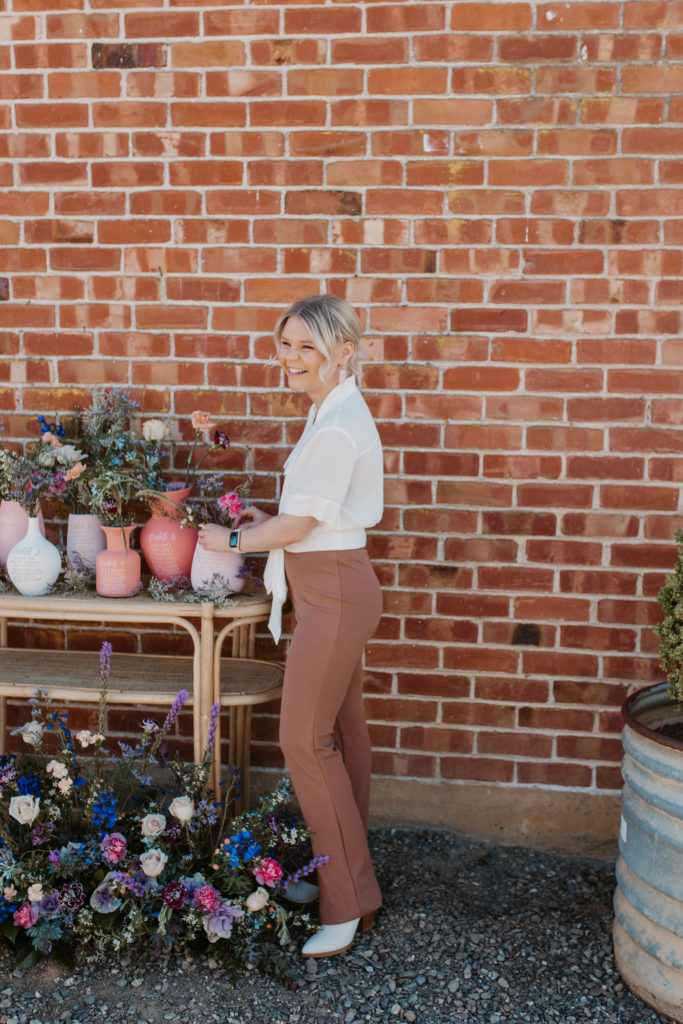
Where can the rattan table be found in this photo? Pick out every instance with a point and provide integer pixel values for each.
(144, 679)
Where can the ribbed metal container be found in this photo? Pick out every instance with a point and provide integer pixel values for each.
(648, 903)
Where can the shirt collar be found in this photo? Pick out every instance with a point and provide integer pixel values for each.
(337, 394)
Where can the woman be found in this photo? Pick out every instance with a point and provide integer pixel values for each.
(332, 491)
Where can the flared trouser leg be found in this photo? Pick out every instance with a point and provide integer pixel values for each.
(323, 733)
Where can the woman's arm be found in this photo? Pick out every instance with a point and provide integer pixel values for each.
(276, 532)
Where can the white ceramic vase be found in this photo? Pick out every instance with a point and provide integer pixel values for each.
(84, 540)
(34, 563)
(13, 526)
(217, 569)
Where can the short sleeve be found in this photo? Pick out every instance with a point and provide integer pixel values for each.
(319, 479)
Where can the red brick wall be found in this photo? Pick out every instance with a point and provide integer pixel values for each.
(496, 187)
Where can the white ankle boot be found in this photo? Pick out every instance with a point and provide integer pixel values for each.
(331, 939)
(301, 892)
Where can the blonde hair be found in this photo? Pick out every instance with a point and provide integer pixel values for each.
(330, 322)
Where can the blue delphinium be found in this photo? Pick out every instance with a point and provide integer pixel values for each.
(104, 811)
(28, 785)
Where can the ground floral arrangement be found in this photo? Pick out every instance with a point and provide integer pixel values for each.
(131, 853)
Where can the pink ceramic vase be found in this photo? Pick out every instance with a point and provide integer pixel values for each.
(219, 570)
(167, 546)
(117, 569)
(13, 527)
(84, 540)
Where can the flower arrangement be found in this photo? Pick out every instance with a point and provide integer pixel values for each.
(45, 469)
(670, 629)
(131, 852)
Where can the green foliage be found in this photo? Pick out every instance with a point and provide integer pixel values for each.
(670, 629)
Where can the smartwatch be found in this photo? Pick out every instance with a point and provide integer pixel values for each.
(234, 541)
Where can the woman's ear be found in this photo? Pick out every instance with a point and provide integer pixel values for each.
(347, 350)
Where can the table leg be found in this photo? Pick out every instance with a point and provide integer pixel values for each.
(203, 685)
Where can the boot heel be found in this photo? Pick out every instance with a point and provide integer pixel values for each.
(367, 921)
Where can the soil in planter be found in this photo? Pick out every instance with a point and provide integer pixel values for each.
(674, 731)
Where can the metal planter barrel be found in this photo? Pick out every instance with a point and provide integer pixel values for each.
(648, 903)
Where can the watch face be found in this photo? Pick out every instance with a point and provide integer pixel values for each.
(234, 539)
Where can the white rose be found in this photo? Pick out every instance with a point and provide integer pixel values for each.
(32, 733)
(64, 785)
(257, 900)
(9, 892)
(35, 892)
(182, 808)
(153, 825)
(57, 769)
(24, 809)
(153, 862)
(46, 459)
(84, 737)
(68, 454)
(155, 430)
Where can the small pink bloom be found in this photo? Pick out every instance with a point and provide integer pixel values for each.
(113, 847)
(208, 898)
(202, 421)
(268, 872)
(26, 916)
(50, 438)
(231, 503)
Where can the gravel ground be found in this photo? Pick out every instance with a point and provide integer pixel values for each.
(469, 932)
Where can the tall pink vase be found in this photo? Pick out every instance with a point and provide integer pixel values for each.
(13, 527)
(167, 546)
(117, 568)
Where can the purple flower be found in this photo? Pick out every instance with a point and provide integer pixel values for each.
(222, 439)
(53, 856)
(173, 895)
(105, 660)
(58, 485)
(50, 905)
(175, 833)
(218, 924)
(175, 710)
(42, 834)
(71, 896)
(109, 506)
(213, 725)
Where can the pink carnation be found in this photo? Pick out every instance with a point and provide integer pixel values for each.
(27, 915)
(208, 898)
(231, 503)
(74, 472)
(268, 872)
(113, 847)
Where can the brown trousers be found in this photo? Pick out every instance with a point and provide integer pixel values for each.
(323, 733)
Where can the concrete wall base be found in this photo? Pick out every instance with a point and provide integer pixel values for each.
(557, 821)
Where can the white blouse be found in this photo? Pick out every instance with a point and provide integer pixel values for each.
(335, 474)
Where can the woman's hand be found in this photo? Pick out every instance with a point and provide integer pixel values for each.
(213, 537)
(251, 516)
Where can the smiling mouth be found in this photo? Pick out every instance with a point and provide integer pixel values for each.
(290, 370)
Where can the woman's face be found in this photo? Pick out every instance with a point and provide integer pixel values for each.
(301, 361)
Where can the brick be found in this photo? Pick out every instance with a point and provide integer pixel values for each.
(622, 110)
(369, 112)
(600, 524)
(452, 111)
(537, 110)
(477, 769)
(490, 17)
(555, 719)
(224, 53)
(129, 55)
(583, 16)
(575, 80)
(517, 744)
(537, 48)
(404, 18)
(554, 774)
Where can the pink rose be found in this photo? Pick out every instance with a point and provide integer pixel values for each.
(268, 872)
(113, 847)
(208, 898)
(26, 916)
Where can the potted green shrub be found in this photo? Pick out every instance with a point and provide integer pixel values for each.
(648, 926)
